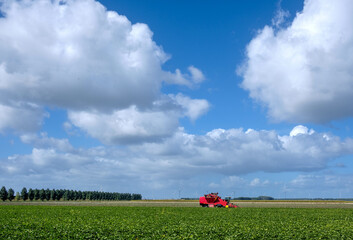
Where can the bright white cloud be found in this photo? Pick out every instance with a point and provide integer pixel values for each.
(126, 126)
(134, 125)
(193, 108)
(300, 129)
(94, 63)
(182, 157)
(77, 55)
(235, 151)
(303, 73)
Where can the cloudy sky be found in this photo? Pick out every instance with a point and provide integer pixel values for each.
(178, 98)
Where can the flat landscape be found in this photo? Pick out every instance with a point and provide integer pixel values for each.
(100, 221)
(192, 203)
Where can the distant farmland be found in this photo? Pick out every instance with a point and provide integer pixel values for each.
(193, 203)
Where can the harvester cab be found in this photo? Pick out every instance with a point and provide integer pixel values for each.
(213, 200)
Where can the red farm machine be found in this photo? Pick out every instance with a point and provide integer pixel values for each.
(213, 200)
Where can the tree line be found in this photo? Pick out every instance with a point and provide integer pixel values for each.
(255, 198)
(64, 194)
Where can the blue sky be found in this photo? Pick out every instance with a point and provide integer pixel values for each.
(245, 98)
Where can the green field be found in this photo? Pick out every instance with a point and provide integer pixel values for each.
(108, 222)
(189, 203)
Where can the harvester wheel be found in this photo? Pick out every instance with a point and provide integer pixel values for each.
(204, 205)
(219, 205)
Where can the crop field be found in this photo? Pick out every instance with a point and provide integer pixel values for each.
(116, 222)
(189, 203)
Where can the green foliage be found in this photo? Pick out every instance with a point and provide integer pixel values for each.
(72, 222)
(66, 195)
(30, 194)
(53, 195)
(11, 194)
(265, 198)
(47, 194)
(17, 197)
(36, 194)
(24, 194)
(42, 194)
(255, 198)
(3, 193)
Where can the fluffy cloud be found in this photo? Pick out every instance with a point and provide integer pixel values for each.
(77, 55)
(303, 73)
(133, 125)
(300, 129)
(127, 125)
(180, 158)
(192, 108)
(95, 63)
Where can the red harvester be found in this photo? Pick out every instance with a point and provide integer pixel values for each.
(213, 200)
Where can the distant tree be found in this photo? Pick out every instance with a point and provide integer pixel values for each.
(3, 193)
(18, 197)
(30, 194)
(47, 194)
(136, 196)
(66, 195)
(74, 195)
(126, 196)
(242, 198)
(118, 196)
(70, 195)
(79, 195)
(59, 194)
(89, 195)
(265, 198)
(53, 194)
(36, 194)
(11, 194)
(24, 194)
(83, 195)
(42, 194)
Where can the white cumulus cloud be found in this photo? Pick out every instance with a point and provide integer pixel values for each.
(127, 125)
(229, 154)
(94, 63)
(76, 54)
(134, 125)
(300, 129)
(193, 108)
(303, 73)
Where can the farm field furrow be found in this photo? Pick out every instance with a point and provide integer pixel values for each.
(105, 222)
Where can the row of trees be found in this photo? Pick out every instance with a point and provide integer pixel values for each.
(4, 195)
(64, 194)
